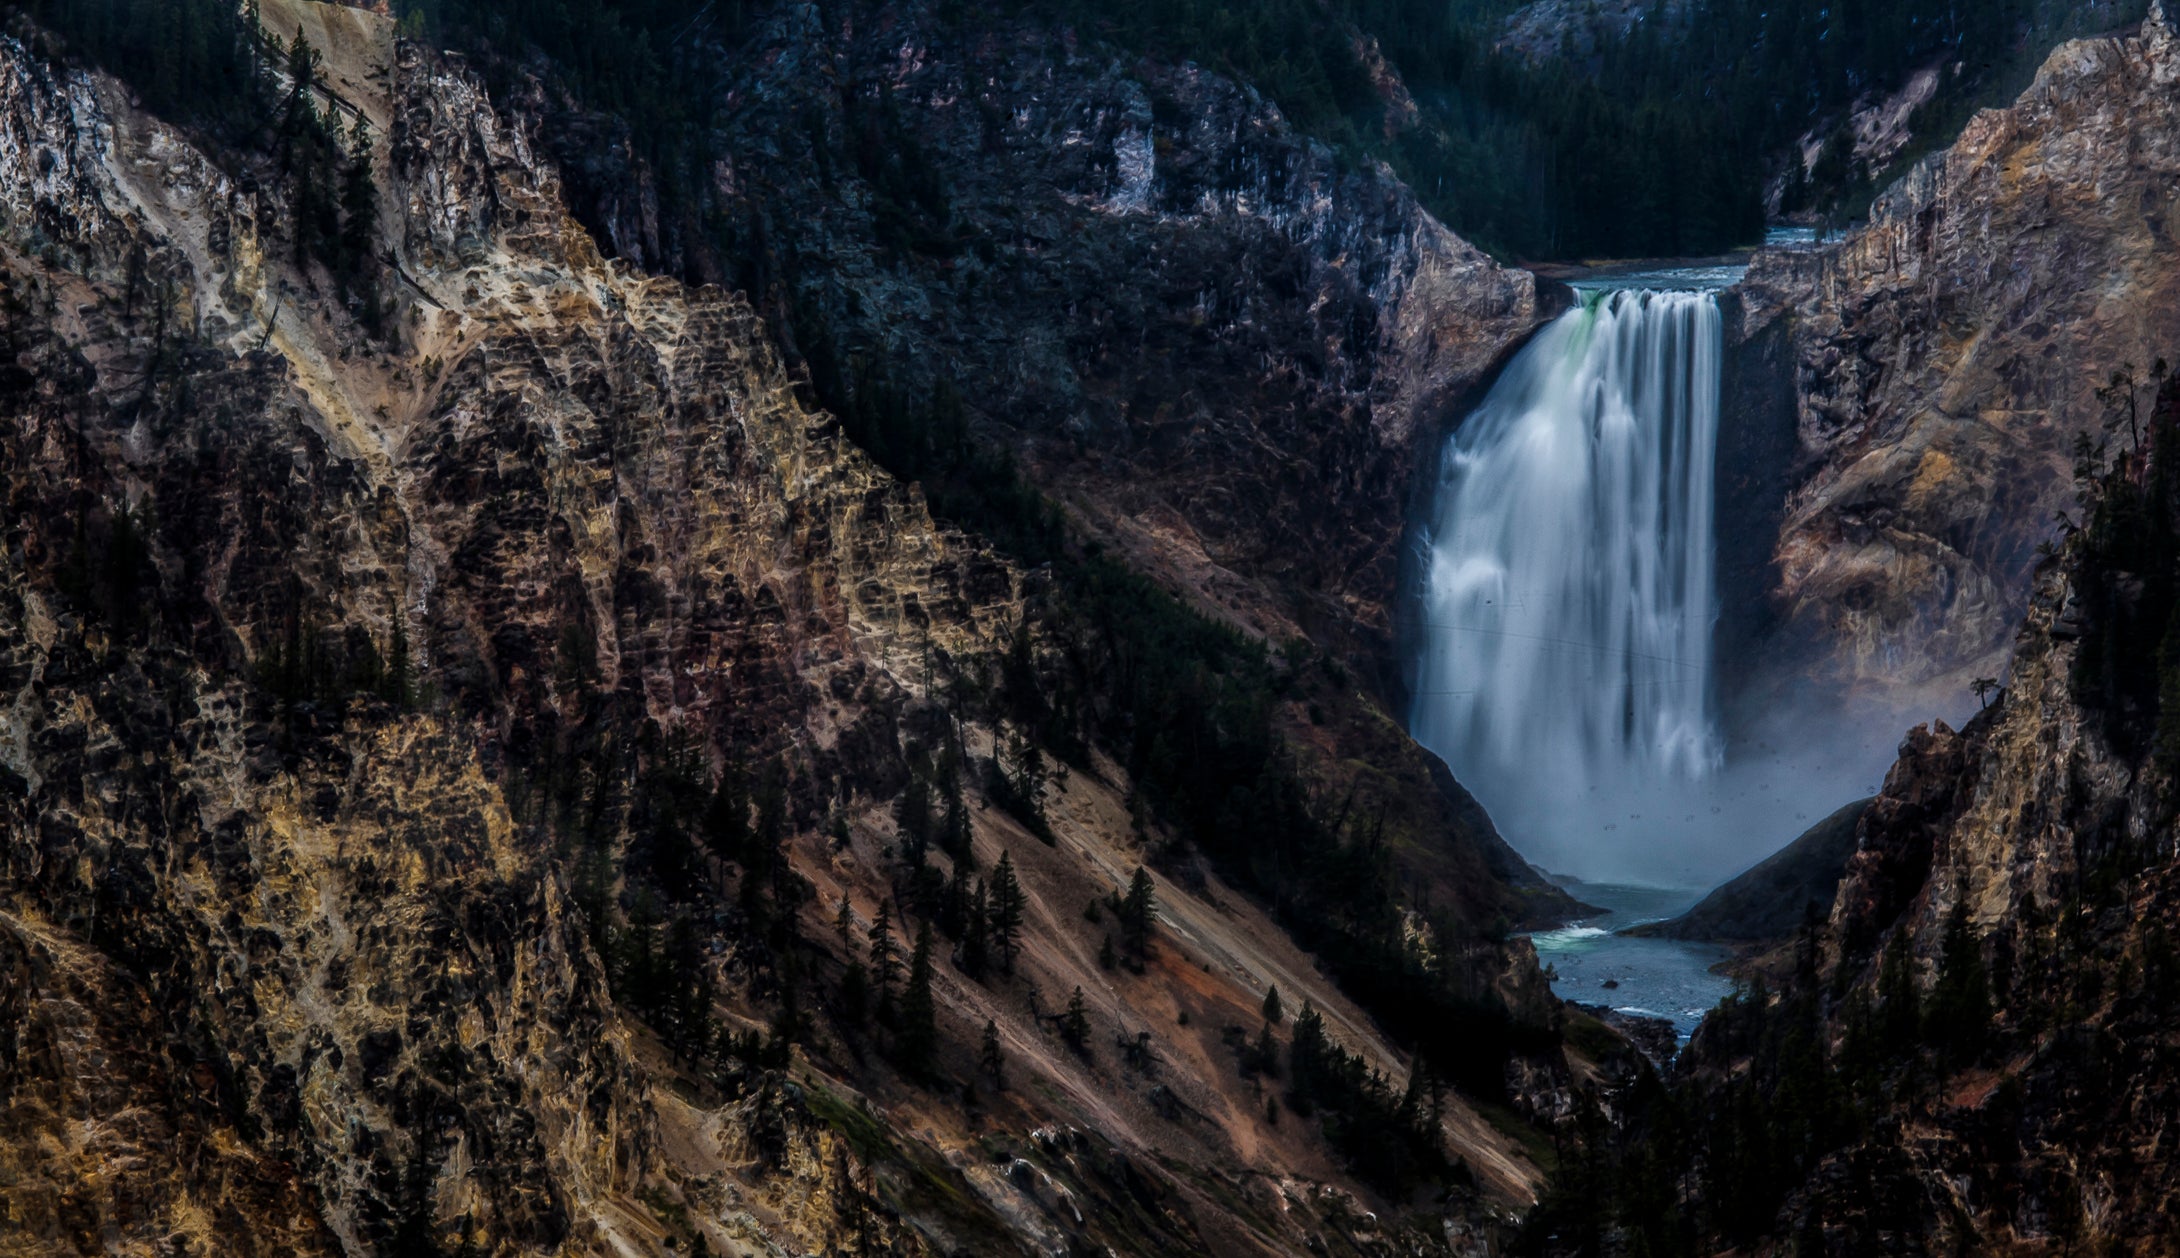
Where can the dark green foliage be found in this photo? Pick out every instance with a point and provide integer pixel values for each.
(725, 823)
(397, 684)
(207, 64)
(772, 893)
(1899, 1004)
(1138, 915)
(1273, 1015)
(311, 671)
(650, 66)
(1262, 1057)
(2127, 557)
(1017, 785)
(646, 864)
(854, 997)
(1704, 1161)
(989, 1059)
(1958, 1016)
(1394, 1142)
(1661, 144)
(333, 204)
(917, 1036)
(351, 256)
(1075, 1023)
(189, 60)
(657, 969)
(109, 563)
(1007, 909)
(885, 961)
(971, 911)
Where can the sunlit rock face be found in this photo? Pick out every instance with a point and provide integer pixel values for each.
(289, 967)
(1945, 358)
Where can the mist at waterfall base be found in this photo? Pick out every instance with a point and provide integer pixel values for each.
(1569, 606)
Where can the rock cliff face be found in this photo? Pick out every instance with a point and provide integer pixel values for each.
(1227, 357)
(2051, 852)
(1547, 29)
(1946, 357)
(1218, 347)
(1776, 897)
(295, 979)
(296, 624)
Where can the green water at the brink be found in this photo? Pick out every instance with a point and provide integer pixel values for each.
(1660, 978)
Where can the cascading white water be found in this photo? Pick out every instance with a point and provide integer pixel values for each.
(1569, 598)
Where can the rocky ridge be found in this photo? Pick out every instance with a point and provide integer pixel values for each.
(2009, 832)
(292, 967)
(1946, 356)
(1229, 357)
(1217, 345)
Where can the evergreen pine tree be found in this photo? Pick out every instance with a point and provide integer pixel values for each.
(954, 904)
(1138, 914)
(302, 70)
(398, 682)
(1272, 1011)
(885, 959)
(1959, 1013)
(912, 820)
(918, 1035)
(954, 835)
(726, 817)
(1007, 911)
(689, 1019)
(359, 219)
(1305, 1054)
(1899, 1006)
(976, 937)
(989, 1059)
(1264, 1055)
(1075, 1023)
(854, 993)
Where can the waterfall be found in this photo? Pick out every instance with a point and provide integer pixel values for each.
(1569, 597)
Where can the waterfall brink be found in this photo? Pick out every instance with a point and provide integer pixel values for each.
(1570, 592)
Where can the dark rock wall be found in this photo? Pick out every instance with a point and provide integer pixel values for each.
(1759, 463)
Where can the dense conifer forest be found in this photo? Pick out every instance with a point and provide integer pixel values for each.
(1662, 144)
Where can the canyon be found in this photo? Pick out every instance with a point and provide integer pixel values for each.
(404, 663)
(1945, 357)
(309, 628)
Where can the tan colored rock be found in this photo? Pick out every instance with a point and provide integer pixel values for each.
(1947, 356)
(288, 968)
